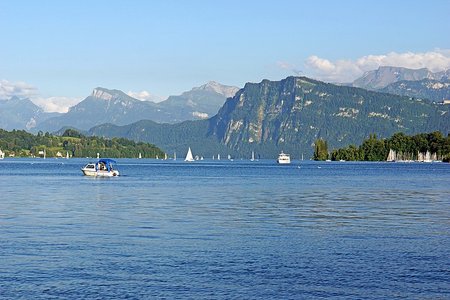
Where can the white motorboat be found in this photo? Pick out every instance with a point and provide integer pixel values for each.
(104, 167)
(283, 158)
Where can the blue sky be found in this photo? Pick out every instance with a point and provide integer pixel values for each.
(58, 51)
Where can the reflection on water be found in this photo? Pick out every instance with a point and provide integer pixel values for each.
(224, 230)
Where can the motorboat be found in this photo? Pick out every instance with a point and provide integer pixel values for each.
(283, 158)
(103, 167)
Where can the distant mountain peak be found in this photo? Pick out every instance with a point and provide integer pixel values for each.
(106, 94)
(101, 93)
(214, 86)
(386, 75)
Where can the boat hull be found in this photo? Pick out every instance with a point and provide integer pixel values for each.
(283, 162)
(284, 159)
(100, 173)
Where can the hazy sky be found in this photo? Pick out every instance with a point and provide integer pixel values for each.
(56, 52)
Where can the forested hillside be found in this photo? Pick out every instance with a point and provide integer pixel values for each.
(24, 144)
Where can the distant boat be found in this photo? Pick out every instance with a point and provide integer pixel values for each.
(218, 156)
(283, 158)
(392, 156)
(103, 167)
(253, 156)
(140, 155)
(174, 156)
(2, 154)
(67, 154)
(189, 156)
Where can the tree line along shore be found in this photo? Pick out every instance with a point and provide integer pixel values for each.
(19, 143)
(399, 147)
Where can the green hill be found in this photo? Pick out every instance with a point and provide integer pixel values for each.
(24, 144)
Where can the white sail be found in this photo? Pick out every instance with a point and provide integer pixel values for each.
(67, 154)
(427, 157)
(253, 156)
(189, 156)
(392, 156)
(140, 155)
(2, 154)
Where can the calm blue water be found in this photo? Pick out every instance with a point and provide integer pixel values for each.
(221, 230)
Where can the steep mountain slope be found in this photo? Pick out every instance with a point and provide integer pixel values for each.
(290, 115)
(21, 114)
(430, 89)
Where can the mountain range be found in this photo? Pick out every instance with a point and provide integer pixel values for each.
(116, 107)
(290, 115)
(386, 75)
(417, 83)
(18, 113)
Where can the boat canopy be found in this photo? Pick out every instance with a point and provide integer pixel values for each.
(108, 163)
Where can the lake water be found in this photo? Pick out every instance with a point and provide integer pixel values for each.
(221, 230)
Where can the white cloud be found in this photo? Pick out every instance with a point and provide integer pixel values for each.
(290, 67)
(9, 89)
(348, 70)
(145, 96)
(56, 104)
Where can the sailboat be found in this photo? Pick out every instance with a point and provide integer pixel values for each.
(253, 156)
(189, 156)
(392, 156)
(67, 154)
(174, 156)
(2, 154)
(140, 155)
